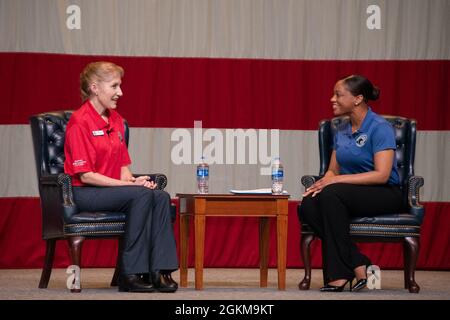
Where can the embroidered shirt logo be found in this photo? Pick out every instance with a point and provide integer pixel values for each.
(79, 163)
(361, 140)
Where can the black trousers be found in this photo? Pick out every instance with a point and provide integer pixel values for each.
(148, 242)
(329, 214)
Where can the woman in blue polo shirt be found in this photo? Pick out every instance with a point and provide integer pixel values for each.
(362, 179)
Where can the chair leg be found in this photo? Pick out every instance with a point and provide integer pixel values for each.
(305, 246)
(411, 247)
(75, 245)
(406, 266)
(115, 278)
(48, 263)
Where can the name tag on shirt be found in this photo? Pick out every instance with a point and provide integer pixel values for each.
(98, 133)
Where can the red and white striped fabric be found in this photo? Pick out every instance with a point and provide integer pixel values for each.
(230, 64)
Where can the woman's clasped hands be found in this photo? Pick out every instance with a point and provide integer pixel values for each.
(144, 181)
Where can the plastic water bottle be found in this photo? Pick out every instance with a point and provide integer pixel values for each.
(202, 177)
(277, 176)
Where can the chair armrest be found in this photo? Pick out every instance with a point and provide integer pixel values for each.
(414, 185)
(51, 179)
(64, 181)
(159, 178)
(56, 202)
(308, 180)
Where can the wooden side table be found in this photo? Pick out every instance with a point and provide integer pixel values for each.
(230, 205)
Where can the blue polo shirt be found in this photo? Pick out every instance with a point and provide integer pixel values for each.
(355, 151)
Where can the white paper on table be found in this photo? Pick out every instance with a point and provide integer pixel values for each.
(255, 191)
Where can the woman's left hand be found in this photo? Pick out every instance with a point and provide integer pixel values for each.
(319, 185)
(151, 184)
(145, 181)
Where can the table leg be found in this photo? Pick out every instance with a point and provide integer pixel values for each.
(199, 250)
(282, 243)
(264, 234)
(184, 249)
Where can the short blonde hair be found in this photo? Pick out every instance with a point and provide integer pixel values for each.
(96, 71)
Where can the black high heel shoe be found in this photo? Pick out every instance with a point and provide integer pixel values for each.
(331, 288)
(360, 284)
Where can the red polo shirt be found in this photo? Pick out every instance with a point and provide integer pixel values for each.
(93, 145)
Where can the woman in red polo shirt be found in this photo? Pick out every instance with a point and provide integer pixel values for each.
(98, 161)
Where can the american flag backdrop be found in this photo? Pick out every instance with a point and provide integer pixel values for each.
(255, 65)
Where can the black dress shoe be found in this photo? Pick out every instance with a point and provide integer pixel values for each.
(134, 283)
(331, 288)
(169, 279)
(147, 277)
(163, 282)
(361, 284)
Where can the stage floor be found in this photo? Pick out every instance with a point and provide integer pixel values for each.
(219, 284)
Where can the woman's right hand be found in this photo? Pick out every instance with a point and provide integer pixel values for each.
(317, 187)
(145, 182)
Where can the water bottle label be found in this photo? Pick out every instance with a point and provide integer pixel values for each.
(277, 174)
(202, 172)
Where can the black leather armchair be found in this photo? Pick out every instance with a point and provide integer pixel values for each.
(396, 227)
(61, 220)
